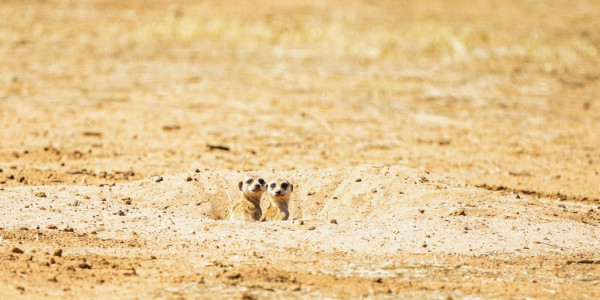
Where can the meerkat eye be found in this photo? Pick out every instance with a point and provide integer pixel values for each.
(249, 181)
(273, 185)
(261, 181)
(284, 185)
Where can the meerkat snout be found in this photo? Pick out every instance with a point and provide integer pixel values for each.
(250, 186)
(248, 207)
(279, 189)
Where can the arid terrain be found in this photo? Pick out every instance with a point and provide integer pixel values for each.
(438, 149)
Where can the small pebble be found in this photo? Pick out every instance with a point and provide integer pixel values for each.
(85, 266)
(58, 253)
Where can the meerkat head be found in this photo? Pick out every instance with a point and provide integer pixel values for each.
(278, 189)
(252, 187)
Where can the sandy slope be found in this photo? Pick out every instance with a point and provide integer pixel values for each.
(394, 223)
(98, 98)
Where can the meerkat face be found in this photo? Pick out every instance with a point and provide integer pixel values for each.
(252, 187)
(280, 188)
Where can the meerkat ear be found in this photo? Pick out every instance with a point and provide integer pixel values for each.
(240, 184)
(291, 187)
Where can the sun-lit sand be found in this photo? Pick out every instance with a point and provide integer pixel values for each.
(436, 149)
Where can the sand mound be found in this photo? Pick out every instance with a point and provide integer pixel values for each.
(367, 192)
(384, 216)
(408, 201)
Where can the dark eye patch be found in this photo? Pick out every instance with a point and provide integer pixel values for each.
(249, 181)
(284, 185)
(261, 181)
(273, 185)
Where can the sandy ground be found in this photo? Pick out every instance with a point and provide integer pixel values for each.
(397, 231)
(455, 146)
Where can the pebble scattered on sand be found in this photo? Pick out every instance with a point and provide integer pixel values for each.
(58, 252)
(85, 266)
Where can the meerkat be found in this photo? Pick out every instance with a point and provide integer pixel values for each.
(248, 207)
(279, 192)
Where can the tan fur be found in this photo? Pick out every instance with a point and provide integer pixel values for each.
(248, 207)
(278, 204)
(276, 213)
(245, 209)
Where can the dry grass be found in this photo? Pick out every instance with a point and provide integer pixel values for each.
(473, 89)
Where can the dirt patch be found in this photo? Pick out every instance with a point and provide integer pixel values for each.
(121, 235)
(125, 126)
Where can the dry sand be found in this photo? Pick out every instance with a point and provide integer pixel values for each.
(436, 151)
(397, 231)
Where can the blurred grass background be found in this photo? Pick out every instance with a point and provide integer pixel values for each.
(503, 94)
